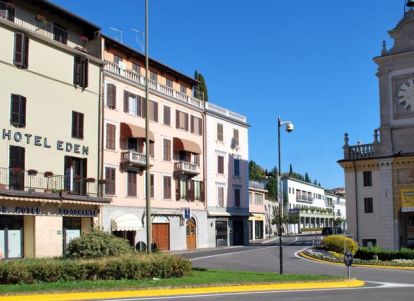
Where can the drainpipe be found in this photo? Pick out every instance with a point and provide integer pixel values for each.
(205, 155)
(356, 201)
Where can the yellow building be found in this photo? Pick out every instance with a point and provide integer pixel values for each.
(49, 128)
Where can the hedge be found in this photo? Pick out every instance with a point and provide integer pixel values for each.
(136, 267)
(339, 244)
(384, 254)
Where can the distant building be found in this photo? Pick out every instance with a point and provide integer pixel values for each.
(257, 219)
(379, 176)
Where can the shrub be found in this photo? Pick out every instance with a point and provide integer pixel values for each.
(339, 244)
(132, 267)
(384, 254)
(98, 244)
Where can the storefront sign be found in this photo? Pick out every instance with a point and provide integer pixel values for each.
(45, 142)
(407, 200)
(30, 210)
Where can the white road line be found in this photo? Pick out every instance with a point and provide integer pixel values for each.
(382, 286)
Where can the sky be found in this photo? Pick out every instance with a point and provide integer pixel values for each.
(309, 62)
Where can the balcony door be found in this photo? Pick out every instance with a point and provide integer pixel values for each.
(75, 175)
(17, 166)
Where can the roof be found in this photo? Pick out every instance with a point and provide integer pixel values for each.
(153, 63)
(64, 14)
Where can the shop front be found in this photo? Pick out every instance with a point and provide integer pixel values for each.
(42, 227)
(256, 226)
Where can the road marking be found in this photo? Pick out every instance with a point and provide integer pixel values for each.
(381, 286)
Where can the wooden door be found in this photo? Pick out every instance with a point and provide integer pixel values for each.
(191, 235)
(161, 236)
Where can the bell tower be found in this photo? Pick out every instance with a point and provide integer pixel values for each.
(396, 86)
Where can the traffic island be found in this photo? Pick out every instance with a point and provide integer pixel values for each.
(199, 282)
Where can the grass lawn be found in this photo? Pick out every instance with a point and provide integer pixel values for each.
(197, 278)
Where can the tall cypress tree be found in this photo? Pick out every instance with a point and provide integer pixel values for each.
(201, 90)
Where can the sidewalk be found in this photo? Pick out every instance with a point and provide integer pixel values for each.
(163, 292)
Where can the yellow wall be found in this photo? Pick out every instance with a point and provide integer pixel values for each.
(28, 235)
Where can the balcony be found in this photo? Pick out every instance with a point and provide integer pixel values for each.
(186, 168)
(304, 198)
(222, 111)
(360, 151)
(133, 160)
(31, 183)
(153, 85)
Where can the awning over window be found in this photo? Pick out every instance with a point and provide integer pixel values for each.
(132, 131)
(186, 145)
(126, 222)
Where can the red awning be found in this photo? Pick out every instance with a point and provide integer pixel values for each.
(186, 145)
(132, 131)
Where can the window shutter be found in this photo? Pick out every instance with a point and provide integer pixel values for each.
(14, 110)
(155, 108)
(139, 106)
(151, 150)
(126, 106)
(144, 107)
(110, 136)
(77, 71)
(177, 189)
(192, 124)
(80, 126)
(85, 71)
(22, 111)
(111, 98)
(167, 115)
(18, 49)
(25, 52)
(200, 126)
(220, 164)
(177, 119)
(17, 157)
(74, 124)
(186, 121)
(132, 183)
(167, 187)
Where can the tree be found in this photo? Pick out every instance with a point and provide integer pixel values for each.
(307, 178)
(256, 172)
(200, 91)
(290, 169)
(315, 182)
(272, 188)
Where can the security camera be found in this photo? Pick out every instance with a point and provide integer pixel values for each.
(289, 127)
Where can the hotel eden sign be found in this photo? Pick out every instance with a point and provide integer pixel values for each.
(44, 142)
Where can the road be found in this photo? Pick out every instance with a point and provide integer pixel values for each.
(382, 284)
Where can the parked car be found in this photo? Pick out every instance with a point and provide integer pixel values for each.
(331, 231)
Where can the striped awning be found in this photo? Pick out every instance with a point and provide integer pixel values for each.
(186, 145)
(126, 222)
(133, 131)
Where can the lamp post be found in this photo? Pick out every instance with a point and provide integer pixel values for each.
(289, 128)
(147, 149)
(409, 4)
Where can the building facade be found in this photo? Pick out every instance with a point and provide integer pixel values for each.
(49, 122)
(271, 212)
(257, 218)
(176, 151)
(379, 177)
(307, 205)
(227, 171)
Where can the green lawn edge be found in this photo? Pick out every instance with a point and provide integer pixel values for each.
(198, 278)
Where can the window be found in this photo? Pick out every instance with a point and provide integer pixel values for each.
(258, 199)
(219, 132)
(152, 185)
(220, 165)
(235, 137)
(132, 183)
(167, 115)
(181, 120)
(167, 187)
(153, 76)
(196, 125)
(136, 68)
(60, 34)
(196, 159)
(169, 82)
(80, 72)
(367, 178)
(183, 89)
(111, 96)
(182, 189)
(197, 190)
(21, 50)
(16, 164)
(133, 104)
(77, 125)
(167, 150)
(18, 111)
(110, 180)
(152, 150)
(117, 59)
(369, 243)
(220, 196)
(236, 167)
(110, 136)
(153, 110)
(368, 205)
(237, 197)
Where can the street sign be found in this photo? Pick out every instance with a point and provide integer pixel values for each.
(187, 213)
(348, 259)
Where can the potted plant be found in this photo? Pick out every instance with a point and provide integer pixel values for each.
(41, 18)
(84, 39)
(32, 172)
(90, 180)
(16, 171)
(9, 4)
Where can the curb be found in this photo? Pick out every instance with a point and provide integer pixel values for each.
(303, 255)
(187, 291)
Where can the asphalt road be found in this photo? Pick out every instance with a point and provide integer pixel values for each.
(382, 284)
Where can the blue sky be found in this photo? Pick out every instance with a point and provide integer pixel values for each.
(309, 63)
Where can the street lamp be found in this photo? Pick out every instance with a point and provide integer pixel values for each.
(289, 128)
(409, 4)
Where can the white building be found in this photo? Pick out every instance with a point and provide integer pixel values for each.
(309, 208)
(227, 171)
(271, 211)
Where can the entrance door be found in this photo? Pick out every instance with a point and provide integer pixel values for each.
(258, 226)
(14, 242)
(11, 234)
(191, 234)
(221, 233)
(238, 233)
(161, 236)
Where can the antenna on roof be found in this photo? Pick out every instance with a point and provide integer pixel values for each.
(139, 38)
(120, 33)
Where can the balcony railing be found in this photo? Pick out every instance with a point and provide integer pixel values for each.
(153, 85)
(225, 112)
(133, 159)
(361, 151)
(186, 168)
(33, 182)
(304, 198)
